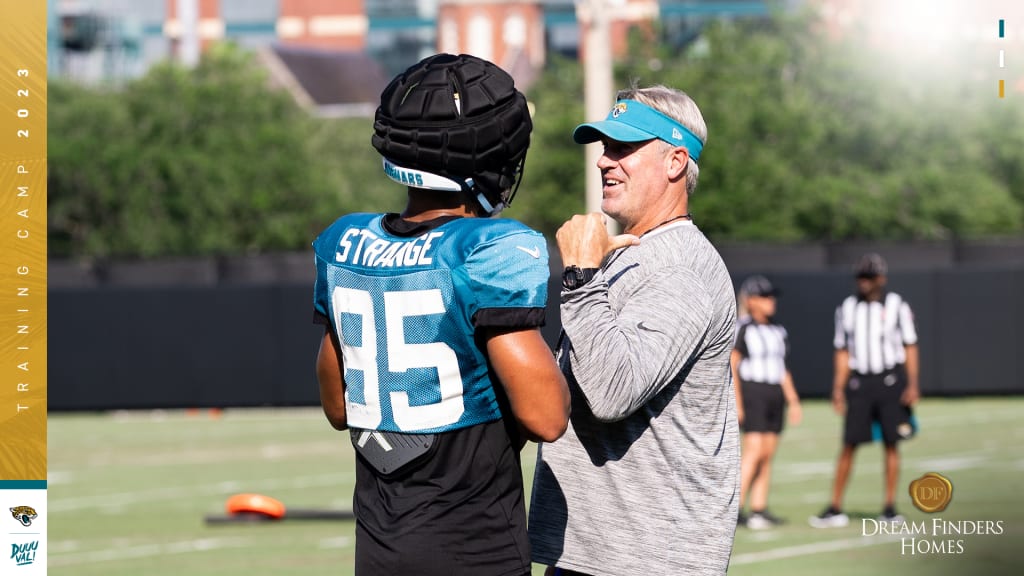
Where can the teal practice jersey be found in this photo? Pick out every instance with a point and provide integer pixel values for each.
(406, 308)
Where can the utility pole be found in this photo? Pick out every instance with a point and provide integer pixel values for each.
(188, 20)
(597, 86)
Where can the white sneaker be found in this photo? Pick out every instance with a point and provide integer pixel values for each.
(763, 521)
(830, 518)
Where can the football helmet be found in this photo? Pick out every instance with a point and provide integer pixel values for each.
(455, 123)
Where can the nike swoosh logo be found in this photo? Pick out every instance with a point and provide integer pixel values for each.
(641, 326)
(535, 252)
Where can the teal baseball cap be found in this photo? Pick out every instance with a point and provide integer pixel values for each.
(631, 121)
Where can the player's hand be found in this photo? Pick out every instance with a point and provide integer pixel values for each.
(584, 241)
(910, 396)
(839, 401)
(795, 413)
(740, 414)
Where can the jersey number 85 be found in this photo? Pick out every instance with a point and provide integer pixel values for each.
(398, 357)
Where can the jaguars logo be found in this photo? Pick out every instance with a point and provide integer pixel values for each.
(24, 514)
(620, 108)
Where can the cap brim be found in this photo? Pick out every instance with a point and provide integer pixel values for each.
(619, 131)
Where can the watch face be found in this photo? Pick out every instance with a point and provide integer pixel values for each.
(574, 277)
(571, 277)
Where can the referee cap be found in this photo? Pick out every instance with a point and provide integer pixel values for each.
(758, 285)
(870, 265)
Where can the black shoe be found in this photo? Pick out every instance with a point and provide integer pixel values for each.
(741, 520)
(889, 514)
(831, 518)
(760, 520)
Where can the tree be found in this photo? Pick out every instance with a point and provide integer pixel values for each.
(811, 138)
(185, 162)
(553, 187)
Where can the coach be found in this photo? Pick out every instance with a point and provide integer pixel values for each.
(646, 478)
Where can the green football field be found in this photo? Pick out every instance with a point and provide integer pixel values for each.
(128, 493)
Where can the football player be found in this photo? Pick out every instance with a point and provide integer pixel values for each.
(432, 355)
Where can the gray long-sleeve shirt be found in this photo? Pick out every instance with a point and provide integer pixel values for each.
(646, 479)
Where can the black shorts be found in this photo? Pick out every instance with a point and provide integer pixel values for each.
(872, 398)
(764, 407)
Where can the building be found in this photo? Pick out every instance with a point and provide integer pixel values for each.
(110, 40)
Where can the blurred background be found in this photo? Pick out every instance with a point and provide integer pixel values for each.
(196, 147)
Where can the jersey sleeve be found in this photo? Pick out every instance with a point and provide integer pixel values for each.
(785, 347)
(741, 339)
(508, 276)
(906, 324)
(321, 309)
(839, 340)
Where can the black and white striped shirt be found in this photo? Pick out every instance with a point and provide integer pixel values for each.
(764, 348)
(874, 333)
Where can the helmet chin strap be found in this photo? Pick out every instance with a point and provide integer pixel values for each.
(491, 209)
(481, 198)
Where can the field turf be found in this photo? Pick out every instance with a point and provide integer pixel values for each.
(128, 493)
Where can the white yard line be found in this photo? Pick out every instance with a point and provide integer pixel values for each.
(201, 456)
(991, 457)
(144, 551)
(261, 413)
(117, 499)
(809, 549)
(339, 542)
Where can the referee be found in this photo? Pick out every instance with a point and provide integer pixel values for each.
(764, 389)
(875, 380)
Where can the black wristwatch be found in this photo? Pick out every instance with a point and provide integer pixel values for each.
(574, 277)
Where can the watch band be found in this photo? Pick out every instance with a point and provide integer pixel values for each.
(574, 277)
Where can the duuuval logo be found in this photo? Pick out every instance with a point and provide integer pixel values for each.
(931, 492)
(24, 554)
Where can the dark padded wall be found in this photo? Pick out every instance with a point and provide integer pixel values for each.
(186, 347)
(255, 345)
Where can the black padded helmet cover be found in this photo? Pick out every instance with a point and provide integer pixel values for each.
(460, 117)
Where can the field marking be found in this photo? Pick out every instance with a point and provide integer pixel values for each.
(339, 542)
(120, 499)
(144, 551)
(929, 420)
(764, 536)
(55, 477)
(154, 426)
(260, 413)
(952, 462)
(65, 546)
(809, 549)
(276, 451)
(183, 434)
(988, 457)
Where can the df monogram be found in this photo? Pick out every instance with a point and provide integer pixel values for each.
(931, 492)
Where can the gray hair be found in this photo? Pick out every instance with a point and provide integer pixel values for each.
(678, 105)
